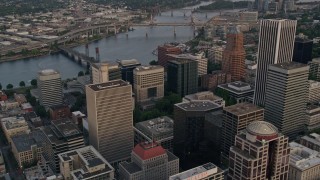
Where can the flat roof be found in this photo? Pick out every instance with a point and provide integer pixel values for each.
(302, 157)
(156, 127)
(47, 72)
(242, 108)
(204, 95)
(108, 85)
(129, 62)
(131, 167)
(183, 56)
(289, 65)
(237, 87)
(198, 105)
(148, 68)
(24, 142)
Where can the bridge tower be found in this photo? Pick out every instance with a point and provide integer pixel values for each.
(87, 50)
(97, 54)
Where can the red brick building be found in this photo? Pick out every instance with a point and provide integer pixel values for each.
(163, 52)
(211, 81)
(3, 96)
(59, 112)
(234, 55)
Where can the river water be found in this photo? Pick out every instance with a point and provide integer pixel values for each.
(136, 46)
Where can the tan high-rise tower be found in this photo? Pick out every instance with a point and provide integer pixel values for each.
(110, 118)
(234, 55)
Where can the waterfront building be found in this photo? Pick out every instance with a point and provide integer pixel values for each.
(207, 171)
(59, 112)
(286, 96)
(99, 72)
(85, 163)
(159, 130)
(12, 126)
(238, 90)
(204, 95)
(127, 67)
(263, 150)
(234, 55)
(164, 51)
(183, 75)
(50, 88)
(314, 71)
(314, 92)
(149, 160)
(148, 83)
(311, 141)
(304, 163)
(27, 148)
(211, 81)
(110, 118)
(302, 52)
(235, 119)
(61, 136)
(276, 41)
(312, 117)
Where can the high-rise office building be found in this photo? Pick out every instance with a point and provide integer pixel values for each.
(286, 97)
(110, 119)
(99, 72)
(148, 83)
(236, 118)
(259, 152)
(302, 52)
(50, 88)
(127, 67)
(163, 52)
(234, 54)
(314, 71)
(275, 46)
(183, 76)
(314, 92)
(149, 161)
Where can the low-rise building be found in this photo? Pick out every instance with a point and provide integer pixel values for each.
(208, 171)
(34, 119)
(59, 112)
(27, 148)
(12, 126)
(313, 117)
(20, 98)
(3, 96)
(204, 95)
(314, 92)
(85, 163)
(8, 105)
(241, 91)
(149, 161)
(77, 117)
(26, 107)
(311, 141)
(158, 130)
(304, 162)
(211, 81)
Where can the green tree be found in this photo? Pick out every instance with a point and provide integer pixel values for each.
(34, 82)
(81, 73)
(9, 86)
(153, 62)
(41, 111)
(22, 84)
(10, 53)
(0, 86)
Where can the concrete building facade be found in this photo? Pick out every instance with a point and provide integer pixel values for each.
(110, 118)
(99, 72)
(314, 71)
(314, 92)
(148, 83)
(311, 141)
(286, 96)
(50, 88)
(13, 126)
(276, 42)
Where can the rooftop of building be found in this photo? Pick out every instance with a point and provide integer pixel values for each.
(148, 150)
(47, 72)
(278, 20)
(129, 62)
(204, 171)
(313, 109)
(233, 30)
(108, 85)
(23, 142)
(14, 122)
(312, 138)
(148, 68)
(289, 65)
(205, 95)
(98, 65)
(237, 87)
(58, 107)
(316, 60)
(262, 128)
(215, 118)
(157, 126)
(242, 108)
(131, 167)
(198, 105)
(2, 93)
(302, 157)
(314, 84)
(186, 57)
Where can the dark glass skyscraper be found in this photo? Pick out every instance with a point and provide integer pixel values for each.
(302, 52)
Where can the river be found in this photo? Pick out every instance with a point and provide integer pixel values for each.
(136, 46)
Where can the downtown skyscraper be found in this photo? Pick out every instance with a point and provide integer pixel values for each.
(276, 45)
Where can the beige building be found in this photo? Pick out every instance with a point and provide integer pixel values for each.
(313, 117)
(314, 92)
(149, 161)
(311, 141)
(207, 171)
(84, 164)
(27, 148)
(100, 72)
(110, 118)
(215, 54)
(202, 64)
(204, 95)
(304, 163)
(148, 83)
(12, 126)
